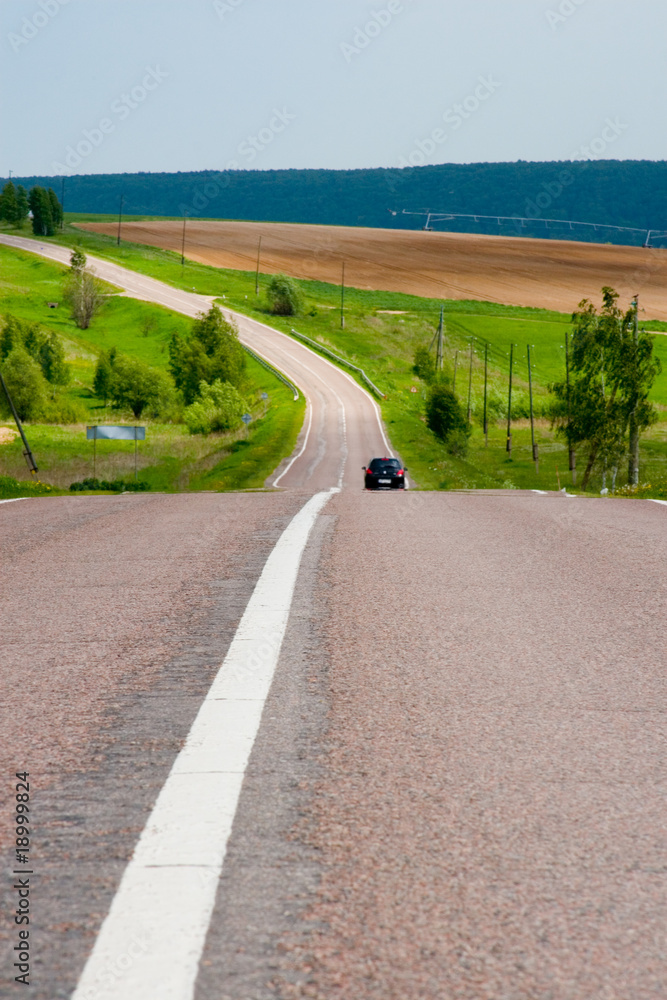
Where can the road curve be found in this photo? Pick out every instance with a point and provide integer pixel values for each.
(343, 427)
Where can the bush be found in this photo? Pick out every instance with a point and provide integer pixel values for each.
(445, 417)
(424, 365)
(63, 410)
(45, 348)
(138, 386)
(114, 485)
(656, 491)
(284, 296)
(10, 487)
(25, 382)
(219, 408)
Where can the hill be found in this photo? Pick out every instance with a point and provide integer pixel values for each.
(629, 193)
(546, 274)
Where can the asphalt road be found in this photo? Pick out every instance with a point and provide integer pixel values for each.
(457, 786)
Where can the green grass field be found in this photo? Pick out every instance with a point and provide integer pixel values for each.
(171, 458)
(382, 330)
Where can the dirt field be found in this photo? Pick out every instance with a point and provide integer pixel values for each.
(553, 274)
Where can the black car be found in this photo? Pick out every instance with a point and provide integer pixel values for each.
(384, 474)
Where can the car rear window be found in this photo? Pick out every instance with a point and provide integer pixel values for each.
(378, 464)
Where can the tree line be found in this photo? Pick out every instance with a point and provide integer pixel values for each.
(616, 192)
(17, 204)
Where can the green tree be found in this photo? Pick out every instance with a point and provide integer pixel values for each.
(284, 296)
(446, 417)
(424, 364)
(84, 293)
(52, 359)
(22, 205)
(136, 385)
(46, 348)
(12, 335)
(212, 351)
(77, 261)
(56, 208)
(9, 209)
(104, 374)
(611, 374)
(219, 407)
(43, 223)
(25, 382)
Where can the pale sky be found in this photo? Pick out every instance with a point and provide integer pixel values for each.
(167, 85)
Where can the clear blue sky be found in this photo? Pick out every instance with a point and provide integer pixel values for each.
(204, 84)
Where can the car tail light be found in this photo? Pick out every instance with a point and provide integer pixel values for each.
(400, 472)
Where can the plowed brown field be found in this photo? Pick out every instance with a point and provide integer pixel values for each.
(552, 274)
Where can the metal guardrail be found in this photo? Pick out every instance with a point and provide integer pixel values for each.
(274, 371)
(342, 361)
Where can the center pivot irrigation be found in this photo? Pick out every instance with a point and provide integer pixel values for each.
(520, 223)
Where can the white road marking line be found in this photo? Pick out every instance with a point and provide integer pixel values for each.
(150, 943)
(303, 447)
(541, 492)
(657, 501)
(14, 499)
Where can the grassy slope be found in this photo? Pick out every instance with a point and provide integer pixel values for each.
(381, 332)
(171, 458)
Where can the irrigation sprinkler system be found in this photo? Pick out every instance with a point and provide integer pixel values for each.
(520, 222)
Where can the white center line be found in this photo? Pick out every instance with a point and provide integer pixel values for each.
(150, 943)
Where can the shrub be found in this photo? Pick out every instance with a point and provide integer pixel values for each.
(138, 386)
(284, 296)
(10, 487)
(63, 410)
(104, 374)
(25, 382)
(445, 417)
(220, 407)
(114, 485)
(424, 364)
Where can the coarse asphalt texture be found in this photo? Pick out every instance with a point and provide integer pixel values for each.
(457, 790)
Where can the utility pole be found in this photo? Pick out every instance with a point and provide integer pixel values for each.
(120, 216)
(532, 422)
(508, 446)
(259, 251)
(633, 464)
(183, 240)
(26, 453)
(470, 382)
(486, 382)
(571, 452)
(438, 358)
(456, 361)
(342, 299)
